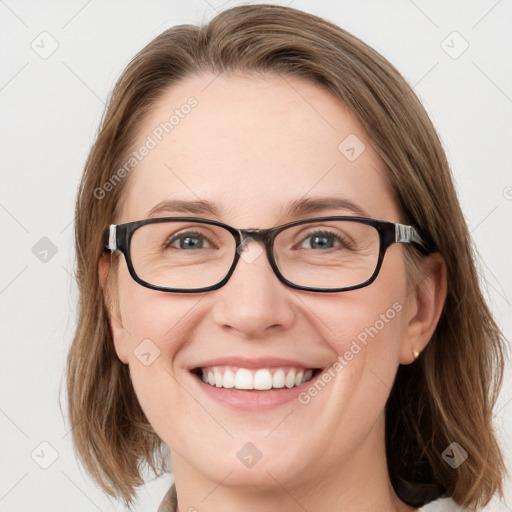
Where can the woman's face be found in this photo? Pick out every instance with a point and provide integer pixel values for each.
(251, 146)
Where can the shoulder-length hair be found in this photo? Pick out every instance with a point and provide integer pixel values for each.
(446, 396)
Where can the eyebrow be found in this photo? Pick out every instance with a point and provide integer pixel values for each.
(303, 206)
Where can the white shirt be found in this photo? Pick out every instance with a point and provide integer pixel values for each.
(442, 505)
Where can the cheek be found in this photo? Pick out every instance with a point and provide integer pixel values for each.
(154, 329)
(366, 335)
(365, 329)
(151, 315)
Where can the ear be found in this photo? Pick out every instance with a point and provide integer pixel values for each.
(112, 303)
(424, 306)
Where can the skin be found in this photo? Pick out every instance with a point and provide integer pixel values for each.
(253, 144)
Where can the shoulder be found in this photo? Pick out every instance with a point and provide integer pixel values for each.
(442, 505)
(170, 502)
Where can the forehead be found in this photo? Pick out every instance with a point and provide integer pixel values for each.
(250, 145)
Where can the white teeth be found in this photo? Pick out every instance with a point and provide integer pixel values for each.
(278, 379)
(229, 379)
(289, 382)
(243, 379)
(261, 379)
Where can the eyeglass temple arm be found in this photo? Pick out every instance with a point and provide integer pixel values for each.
(109, 238)
(407, 235)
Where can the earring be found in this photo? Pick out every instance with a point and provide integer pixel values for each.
(415, 354)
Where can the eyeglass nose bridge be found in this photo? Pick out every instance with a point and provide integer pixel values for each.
(258, 235)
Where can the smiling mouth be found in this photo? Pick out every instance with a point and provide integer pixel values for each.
(262, 379)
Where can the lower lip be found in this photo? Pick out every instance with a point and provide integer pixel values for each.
(254, 400)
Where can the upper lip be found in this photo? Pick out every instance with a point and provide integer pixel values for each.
(250, 362)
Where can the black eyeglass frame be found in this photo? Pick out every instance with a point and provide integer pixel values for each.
(118, 237)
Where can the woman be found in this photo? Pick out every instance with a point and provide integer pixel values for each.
(345, 360)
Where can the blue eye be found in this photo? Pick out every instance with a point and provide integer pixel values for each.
(326, 240)
(188, 240)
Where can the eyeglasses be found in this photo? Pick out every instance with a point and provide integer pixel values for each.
(192, 255)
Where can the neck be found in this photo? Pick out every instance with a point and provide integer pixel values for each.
(358, 483)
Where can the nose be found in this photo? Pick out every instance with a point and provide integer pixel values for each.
(254, 301)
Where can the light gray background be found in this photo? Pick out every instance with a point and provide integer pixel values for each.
(50, 109)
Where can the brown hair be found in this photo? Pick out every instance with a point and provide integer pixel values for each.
(446, 396)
